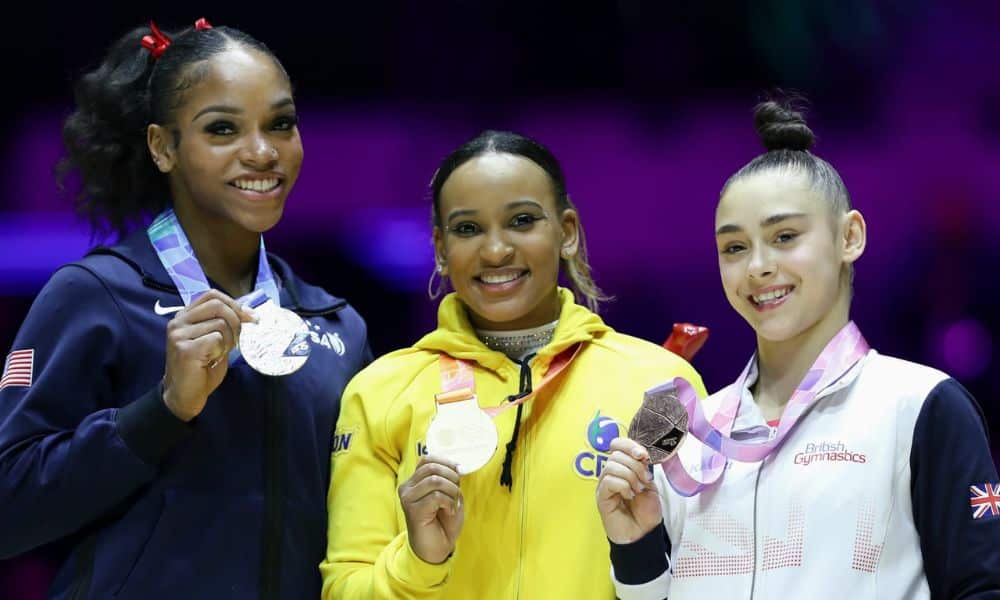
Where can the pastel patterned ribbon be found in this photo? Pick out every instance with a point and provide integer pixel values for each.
(175, 253)
(840, 354)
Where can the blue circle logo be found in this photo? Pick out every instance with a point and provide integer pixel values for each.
(601, 431)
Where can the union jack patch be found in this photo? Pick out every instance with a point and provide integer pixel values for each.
(19, 369)
(985, 501)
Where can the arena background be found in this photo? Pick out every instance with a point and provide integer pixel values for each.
(648, 106)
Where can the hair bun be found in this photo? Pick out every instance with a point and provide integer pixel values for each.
(782, 128)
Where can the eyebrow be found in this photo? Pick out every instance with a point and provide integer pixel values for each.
(768, 222)
(232, 110)
(515, 204)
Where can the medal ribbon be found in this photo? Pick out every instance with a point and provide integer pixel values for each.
(457, 374)
(175, 253)
(840, 354)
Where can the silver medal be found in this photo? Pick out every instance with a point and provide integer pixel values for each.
(276, 345)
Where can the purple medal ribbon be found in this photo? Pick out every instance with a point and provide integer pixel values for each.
(178, 259)
(840, 354)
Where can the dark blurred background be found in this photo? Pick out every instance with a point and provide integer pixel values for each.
(648, 106)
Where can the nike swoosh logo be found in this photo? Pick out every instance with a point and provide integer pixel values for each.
(165, 310)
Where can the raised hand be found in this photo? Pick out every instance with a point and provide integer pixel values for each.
(626, 495)
(199, 339)
(432, 504)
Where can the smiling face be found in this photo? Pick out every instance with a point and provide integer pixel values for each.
(784, 256)
(233, 151)
(501, 241)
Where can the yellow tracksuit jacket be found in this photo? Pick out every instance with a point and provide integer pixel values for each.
(540, 540)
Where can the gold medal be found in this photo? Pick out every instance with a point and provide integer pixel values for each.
(461, 431)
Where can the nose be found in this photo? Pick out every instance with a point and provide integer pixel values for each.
(761, 263)
(259, 152)
(496, 249)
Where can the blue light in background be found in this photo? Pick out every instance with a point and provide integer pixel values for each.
(33, 245)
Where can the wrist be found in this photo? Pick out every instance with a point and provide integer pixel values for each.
(174, 406)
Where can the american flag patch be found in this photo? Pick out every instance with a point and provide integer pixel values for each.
(985, 501)
(19, 369)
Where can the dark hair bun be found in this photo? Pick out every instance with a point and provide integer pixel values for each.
(782, 128)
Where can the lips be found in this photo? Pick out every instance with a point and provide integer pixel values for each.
(257, 183)
(771, 296)
(501, 277)
(501, 280)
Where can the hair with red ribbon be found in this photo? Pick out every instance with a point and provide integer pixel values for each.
(158, 42)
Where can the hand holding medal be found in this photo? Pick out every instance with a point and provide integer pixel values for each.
(433, 507)
(199, 338)
(626, 495)
(275, 340)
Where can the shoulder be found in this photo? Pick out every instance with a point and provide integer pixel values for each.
(905, 377)
(391, 373)
(638, 354)
(79, 286)
(630, 348)
(307, 299)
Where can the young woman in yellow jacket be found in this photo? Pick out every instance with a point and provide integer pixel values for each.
(558, 383)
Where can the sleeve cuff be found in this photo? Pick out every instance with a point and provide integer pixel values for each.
(643, 560)
(412, 569)
(148, 427)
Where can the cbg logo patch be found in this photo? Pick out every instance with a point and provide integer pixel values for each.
(600, 431)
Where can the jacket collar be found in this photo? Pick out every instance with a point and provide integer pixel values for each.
(138, 252)
(456, 337)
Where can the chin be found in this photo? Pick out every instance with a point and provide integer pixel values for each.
(260, 222)
(774, 330)
(499, 316)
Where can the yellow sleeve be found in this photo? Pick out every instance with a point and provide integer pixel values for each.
(367, 554)
(686, 371)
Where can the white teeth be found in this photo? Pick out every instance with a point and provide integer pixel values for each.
(499, 278)
(256, 185)
(771, 296)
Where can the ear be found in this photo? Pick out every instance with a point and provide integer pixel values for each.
(855, 236)
(569, 222)
(439, 251)
(162, 148)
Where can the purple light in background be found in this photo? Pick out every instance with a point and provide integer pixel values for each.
(965, 348)
(394, 245)
(33, 245)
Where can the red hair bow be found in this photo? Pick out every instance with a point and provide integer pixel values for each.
(158, 42)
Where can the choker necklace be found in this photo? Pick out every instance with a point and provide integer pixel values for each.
(518, 343)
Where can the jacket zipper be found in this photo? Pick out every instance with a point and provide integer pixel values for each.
(524, 387)
(756, 485)
(275, 455)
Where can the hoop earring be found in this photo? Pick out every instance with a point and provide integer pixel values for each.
(434, 291)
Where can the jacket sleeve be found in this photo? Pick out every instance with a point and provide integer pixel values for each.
(956, 496)
(368, 555)
(68, 454)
